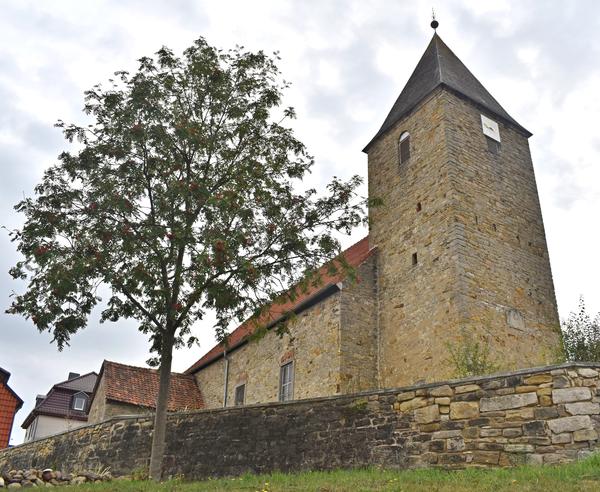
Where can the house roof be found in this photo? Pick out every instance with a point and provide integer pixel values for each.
(81, 383)
(4, 377)
(439, 66)
(139, 386)
(58, 401)
(354, 255)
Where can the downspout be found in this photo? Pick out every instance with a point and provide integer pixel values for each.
(226, 377)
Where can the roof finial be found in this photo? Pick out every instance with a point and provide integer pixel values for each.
(434, 23)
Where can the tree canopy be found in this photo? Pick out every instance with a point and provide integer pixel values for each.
(182, 196)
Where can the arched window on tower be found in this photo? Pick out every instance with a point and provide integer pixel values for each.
(404, 147)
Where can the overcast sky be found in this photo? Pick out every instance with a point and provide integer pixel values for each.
(347, 61)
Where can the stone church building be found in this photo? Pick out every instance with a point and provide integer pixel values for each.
(457, 252)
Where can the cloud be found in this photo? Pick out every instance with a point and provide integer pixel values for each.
(348, 61)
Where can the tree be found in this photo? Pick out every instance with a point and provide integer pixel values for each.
(181, 197)
(581, 335)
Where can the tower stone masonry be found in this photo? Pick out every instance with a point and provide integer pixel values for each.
(462, 253)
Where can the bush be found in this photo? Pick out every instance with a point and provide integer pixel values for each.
(471, 357)
(581, 335)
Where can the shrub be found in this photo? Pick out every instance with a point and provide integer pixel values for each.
(470, 357)
(581, 335)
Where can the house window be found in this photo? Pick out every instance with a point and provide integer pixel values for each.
(404, 147)
(79, 403)
(286, 382)
(240, 395)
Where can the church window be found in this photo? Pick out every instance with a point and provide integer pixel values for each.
(492, 145)
(404, 147)
(419, 207)
(240, 395)
(286, 382)
(415, 259)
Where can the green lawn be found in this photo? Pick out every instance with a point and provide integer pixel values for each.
(582, 476)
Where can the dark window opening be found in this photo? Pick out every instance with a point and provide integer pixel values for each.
(415, 259)
(404, 147)
(493, 145)
(286, 382)
(419, 207)
(240, 395)
(494, 227)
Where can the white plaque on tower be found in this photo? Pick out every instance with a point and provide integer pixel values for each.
(490, 128)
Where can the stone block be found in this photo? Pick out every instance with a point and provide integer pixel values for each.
(534, 428)
(586, 372)
(545, 413)
(583, 408)
(561, 382)
(426, 415)
(438, 445)
(519, 448)
(444, 390)
(434, 426)
(535, 459)
(512, 432)
(418, 402)
(508, 401)
(538, 379)
(568, 395)
(445, 409)
(471, 433)
(447, 434)
(570, 424)
(526, 389)
(444, 400)
(525, 413)
(455, 444)
(565, 438)
(464, 410)
(585, 435)
(545, 401)
(490, 432)
(409, 395)
(467, 388)
(486, 457)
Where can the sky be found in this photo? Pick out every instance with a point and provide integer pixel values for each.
(347, 62)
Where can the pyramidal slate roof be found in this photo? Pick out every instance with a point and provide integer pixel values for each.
(439, 66)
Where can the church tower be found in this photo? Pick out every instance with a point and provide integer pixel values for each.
(462, 255)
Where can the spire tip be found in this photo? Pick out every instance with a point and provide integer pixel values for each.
(434, 23)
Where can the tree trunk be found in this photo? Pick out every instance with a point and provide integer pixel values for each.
(160, 418)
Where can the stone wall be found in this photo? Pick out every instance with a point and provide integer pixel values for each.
(473, 220)
(418, 305)
(328, 359)
(102, 409)
(543, 415)
(504, 279)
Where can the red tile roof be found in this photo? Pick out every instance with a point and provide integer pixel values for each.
(139, 386)
(355, 255)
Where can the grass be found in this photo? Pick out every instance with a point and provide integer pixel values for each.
(581, 477)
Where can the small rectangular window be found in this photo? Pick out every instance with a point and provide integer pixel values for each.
(492, 145)
(240, 395)
(79, 403)
(286, 382)
(415, 259)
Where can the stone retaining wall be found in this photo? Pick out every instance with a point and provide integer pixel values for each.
(542, 415)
